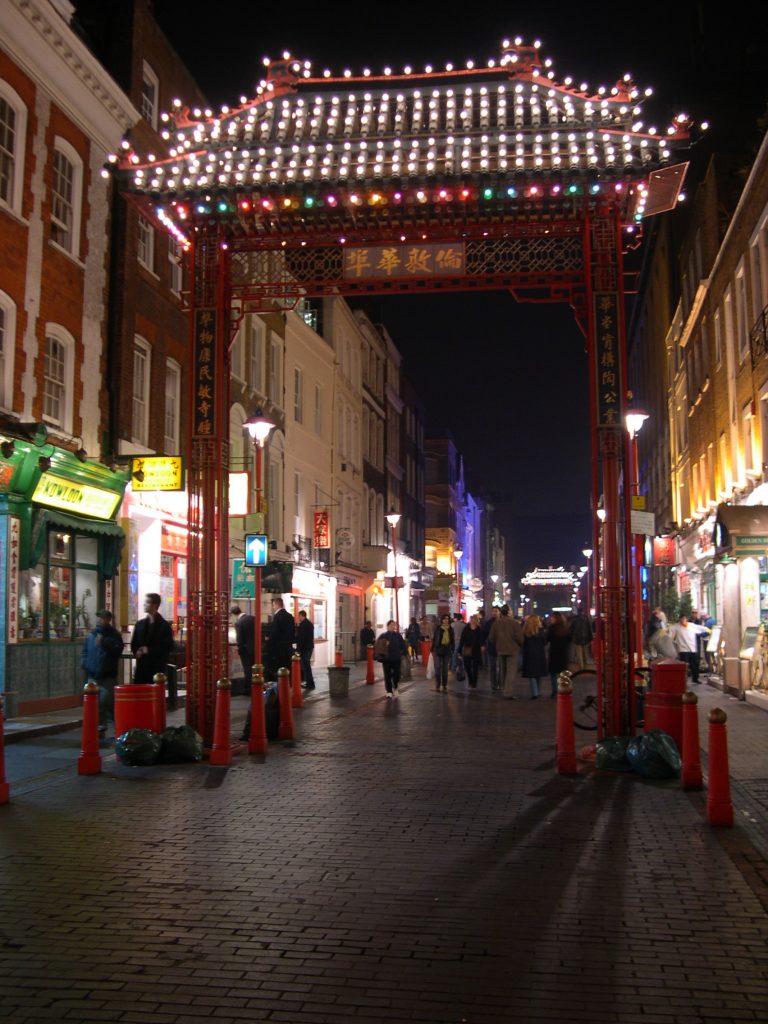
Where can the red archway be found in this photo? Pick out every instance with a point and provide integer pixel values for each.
(483, 178)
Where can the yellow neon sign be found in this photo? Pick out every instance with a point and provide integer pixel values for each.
(57, 492)
(157, 473)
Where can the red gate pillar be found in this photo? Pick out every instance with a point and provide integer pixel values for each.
(607, 361)
(208, 474)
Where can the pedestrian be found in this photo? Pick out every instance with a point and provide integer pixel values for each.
(246, 642)
(559, 641)
(507, 637)
(443, 646)
(490, 648)
(534, 653)
(661, 644)
(101, 654)
(282, 631)
(413, 636)
(685, 635)
(305, 644)
(151, 641)
(582, 637)
(367, 639)
(457, 628)
(472, 649)
(393, 658)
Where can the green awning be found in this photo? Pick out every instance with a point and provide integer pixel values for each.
(111, 537)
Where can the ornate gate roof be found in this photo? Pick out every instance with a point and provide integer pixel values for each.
(360, 156)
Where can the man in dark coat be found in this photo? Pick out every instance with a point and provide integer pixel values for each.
(246, 642)
(152, 642)
(282, 631)
(101, 654)
(305, 644)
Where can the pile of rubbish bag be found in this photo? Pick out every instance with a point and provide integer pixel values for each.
(141, 747)
(652, 754)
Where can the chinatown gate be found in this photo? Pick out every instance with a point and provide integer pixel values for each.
(494, 177)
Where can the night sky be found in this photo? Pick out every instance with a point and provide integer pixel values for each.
(508, 381)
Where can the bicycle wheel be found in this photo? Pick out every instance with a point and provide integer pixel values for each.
(585, 710)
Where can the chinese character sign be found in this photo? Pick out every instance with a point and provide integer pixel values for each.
(203, 372)
(404, 261)
(322, 537)
(608, 364)
(664, 551)
(14, 541)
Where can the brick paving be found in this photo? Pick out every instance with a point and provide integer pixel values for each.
(414, 860)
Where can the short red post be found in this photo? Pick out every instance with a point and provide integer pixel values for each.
(221, 751)
(369, 676)
(297, 700)
(5, 789)
(692, 777)
(159, 679)
(257, 739)
(285, 729)
(426, 647)
(89, 762)
(565, 750)
(339, 658)
(719, 806)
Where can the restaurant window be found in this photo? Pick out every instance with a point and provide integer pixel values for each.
(59, 597)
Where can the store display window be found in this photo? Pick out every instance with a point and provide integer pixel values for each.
(59, 597)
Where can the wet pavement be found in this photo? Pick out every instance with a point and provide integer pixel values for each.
(408, 860)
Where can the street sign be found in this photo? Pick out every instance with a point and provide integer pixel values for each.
(157, 473)
(638, 502)
(243, 580)
(643, 522)
(256, 548)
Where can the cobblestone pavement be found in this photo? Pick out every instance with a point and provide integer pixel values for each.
(409, 860)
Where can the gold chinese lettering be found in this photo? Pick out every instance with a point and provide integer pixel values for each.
(418, 261)
(389, 261)
(358, 261)
(448, 259)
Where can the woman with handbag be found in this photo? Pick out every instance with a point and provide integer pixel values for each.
(442, 649)
(471, 647)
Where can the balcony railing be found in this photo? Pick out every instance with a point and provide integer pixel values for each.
(758, 336)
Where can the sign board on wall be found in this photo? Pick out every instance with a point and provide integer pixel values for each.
(157, 473)
(83, 499)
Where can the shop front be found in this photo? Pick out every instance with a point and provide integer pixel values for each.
(741, 543)
(60, 548)
(314, 592)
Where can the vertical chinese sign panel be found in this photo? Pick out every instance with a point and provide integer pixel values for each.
(608, 362)
(205, 392)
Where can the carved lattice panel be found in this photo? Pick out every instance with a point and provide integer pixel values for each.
(525, 256)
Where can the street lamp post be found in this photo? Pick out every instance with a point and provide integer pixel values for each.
(494, 581)
(457, 556)
(587, 552)
(393, 518)
(634, 419)
(259, 427)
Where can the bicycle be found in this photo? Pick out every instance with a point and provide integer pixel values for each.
(584, 696)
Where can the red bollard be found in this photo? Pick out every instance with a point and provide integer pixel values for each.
(369, 676)
(565, 751)
(5, 789)
(339, 658)
(89, 762)
(221, 751)
(257, 740)
(285, 729)
(719, 806)
(297, 700)
(692, 777)
(159, 679)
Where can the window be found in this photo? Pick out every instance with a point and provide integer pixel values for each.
(172, 407)
(236, 354)
(145, 249)
(318, 409)
(746, 415)
(298, 394)
(57, 377)
(276, 371)
(13, 125)
(59, 597)
(140, 394)
(7, 349)
(150, 89)
(742, 317)
(66, 187)
(718, 340)
(255, 354)
(175, 271)
(298, 520)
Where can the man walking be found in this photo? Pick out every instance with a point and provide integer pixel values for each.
(305, 644)
(393, 659)
(151, 642)
(101, 653)
(507, 637)
(246, 642)
(686, 638)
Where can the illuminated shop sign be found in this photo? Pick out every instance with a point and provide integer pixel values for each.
(549, 578)
(56, 492)
(386, 261)
(157, 473)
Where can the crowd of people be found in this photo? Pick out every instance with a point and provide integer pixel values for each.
(505, 647)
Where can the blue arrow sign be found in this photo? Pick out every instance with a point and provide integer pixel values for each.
(256, 548)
